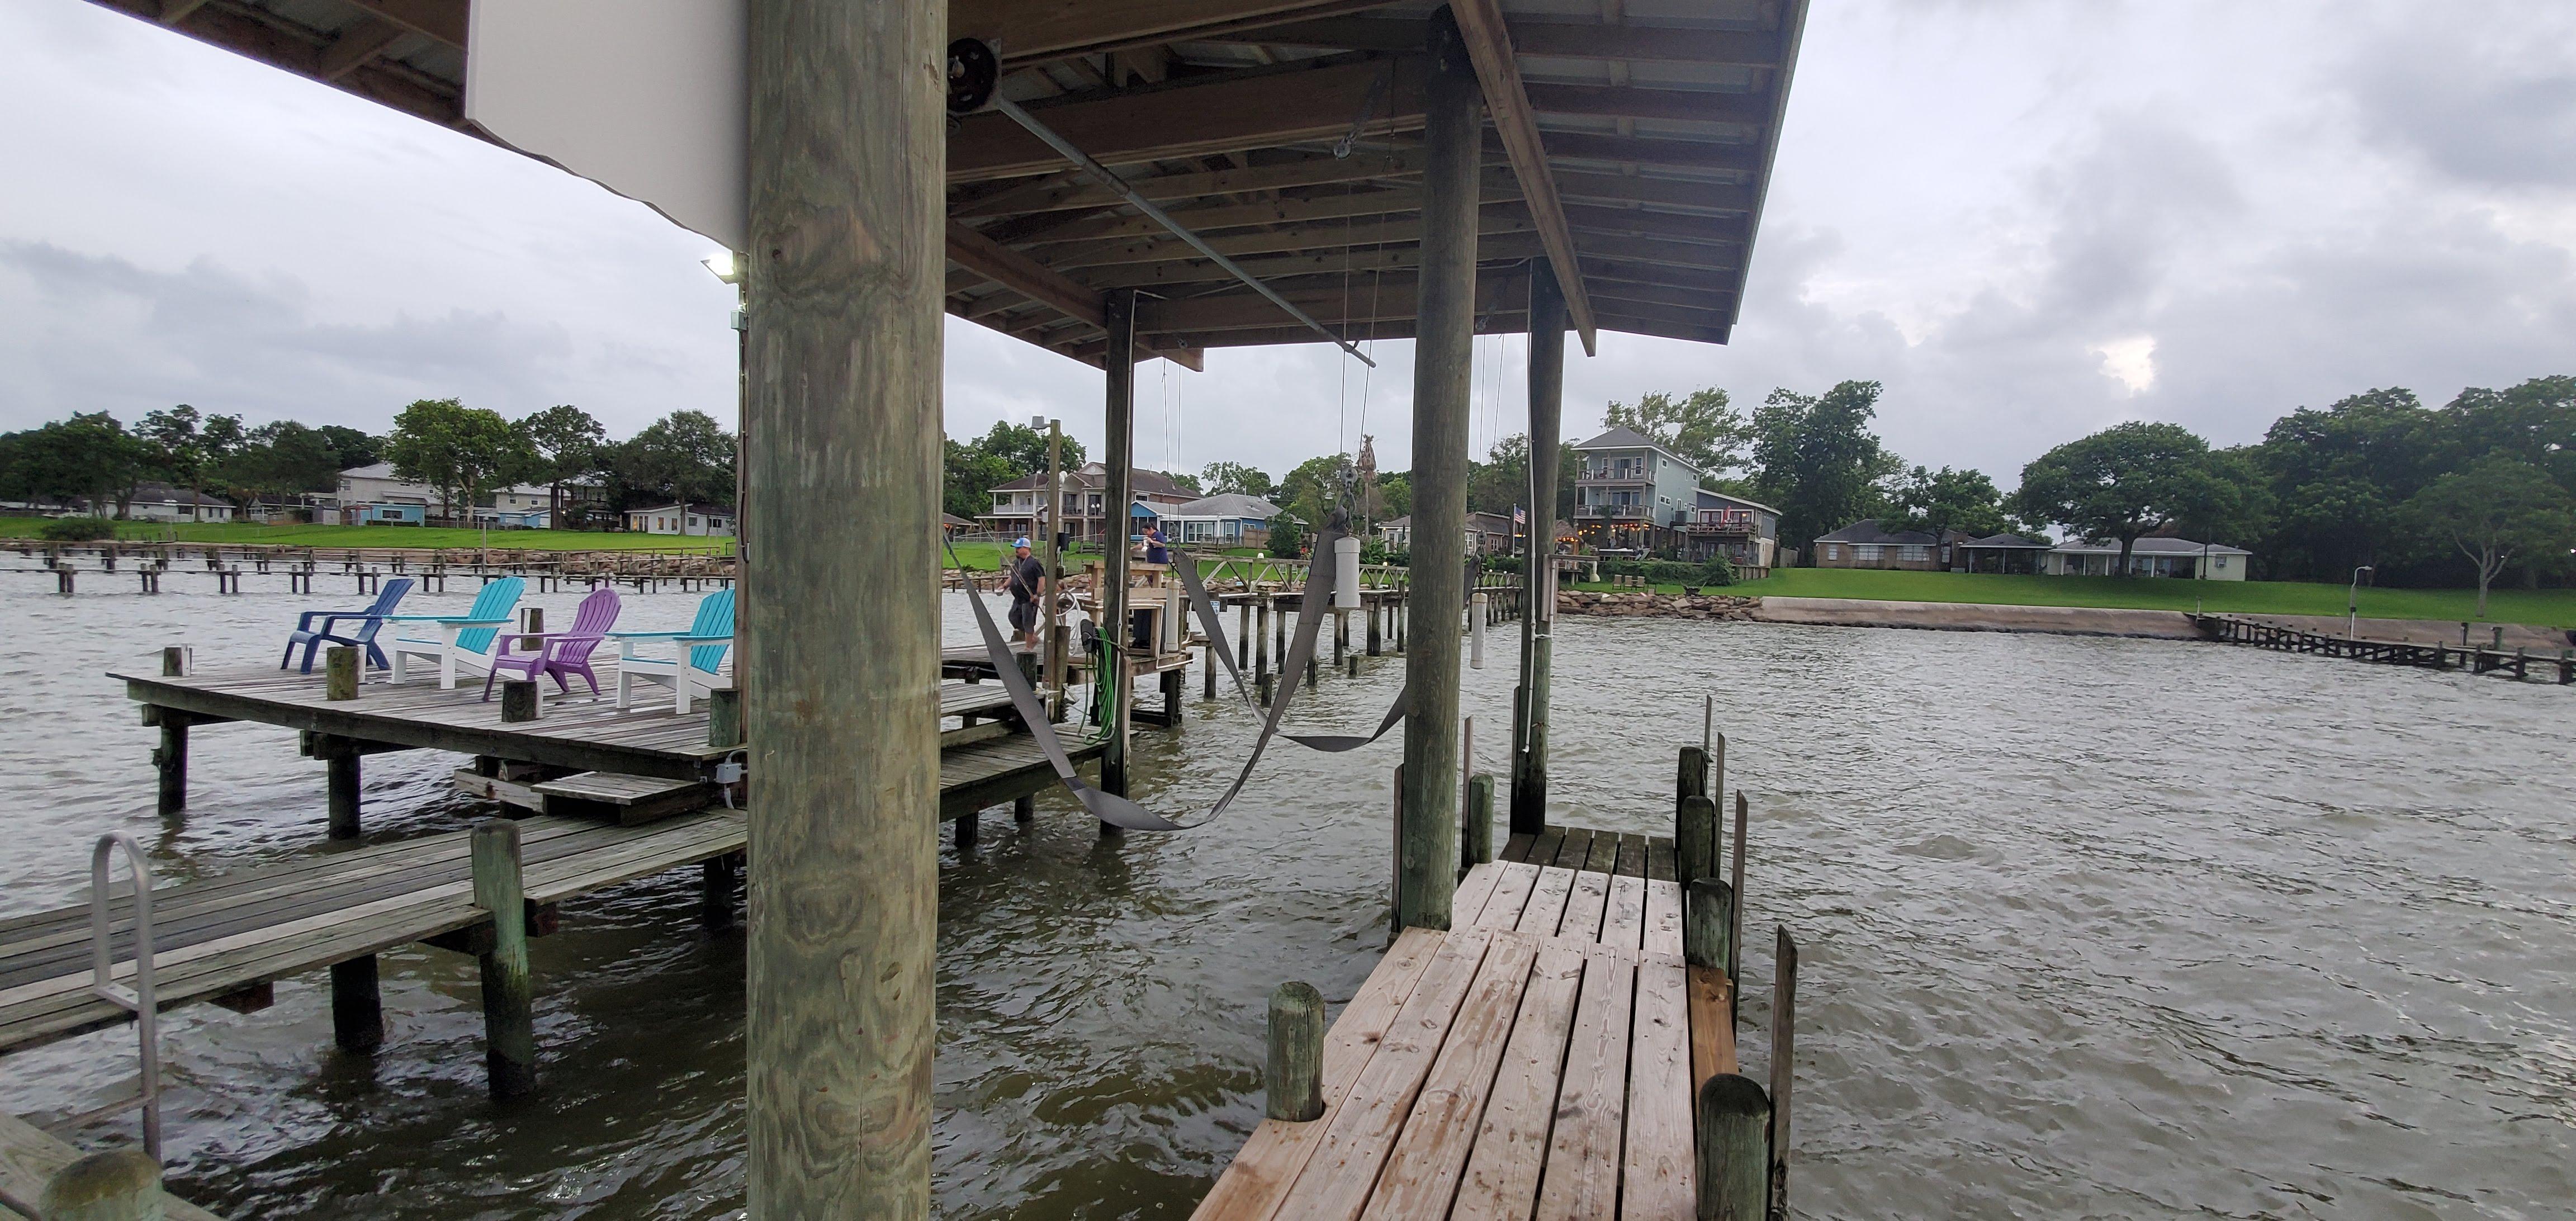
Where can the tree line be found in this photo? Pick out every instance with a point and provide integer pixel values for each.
(465, 453)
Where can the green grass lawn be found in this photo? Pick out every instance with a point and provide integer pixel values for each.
(2547, 608)
(386, 536)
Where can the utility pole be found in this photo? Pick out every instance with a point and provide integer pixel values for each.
(1053, 639)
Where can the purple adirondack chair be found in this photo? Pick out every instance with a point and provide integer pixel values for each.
(560, 653)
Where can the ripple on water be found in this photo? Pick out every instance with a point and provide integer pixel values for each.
(2091, 928)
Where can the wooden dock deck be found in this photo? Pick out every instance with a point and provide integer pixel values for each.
(982, 766)
(1581, 848)
(229, 933)
(1540, 1059)
(2559, 667)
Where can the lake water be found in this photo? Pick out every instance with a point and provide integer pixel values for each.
(2091, 928)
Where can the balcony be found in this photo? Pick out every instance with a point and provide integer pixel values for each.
(1733, 523)
(1607, 479)
(1637, 513)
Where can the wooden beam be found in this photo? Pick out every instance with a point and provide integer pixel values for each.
(1059, 196)
(1663, 105)
(1658, 192)
(1636, 222)
(1492, 322)
(1552, 39)
(1231, 114)
(1501, 218)
(1033, 30)
(1330, 205)
(298, 49)
(1027, 277)
(355, 46)
(1242, 309)
(1670, 275)
(1638, 150)
(1793, 30)
(443, 20)
(1360, 265)
(1480, 25)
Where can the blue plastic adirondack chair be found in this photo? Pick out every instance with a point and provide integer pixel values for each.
(697, 667)
(369, 621)
(463, 642)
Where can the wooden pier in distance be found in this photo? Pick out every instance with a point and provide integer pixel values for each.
(1538, 1059)
(2234, 629)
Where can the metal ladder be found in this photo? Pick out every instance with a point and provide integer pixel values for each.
(141, 999)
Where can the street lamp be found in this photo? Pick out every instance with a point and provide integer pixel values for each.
(2352, 604)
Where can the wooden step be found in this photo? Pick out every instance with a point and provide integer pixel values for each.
(622, 799)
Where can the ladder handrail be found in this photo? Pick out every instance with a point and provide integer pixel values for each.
(142, 999)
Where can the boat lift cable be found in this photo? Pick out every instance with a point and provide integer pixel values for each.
(1109, 178)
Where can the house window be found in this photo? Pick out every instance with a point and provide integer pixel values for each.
(1916, 552)
(1833, 551)
(1867, 553)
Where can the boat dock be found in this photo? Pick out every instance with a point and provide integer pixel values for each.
(2520, 662)
(1565, 1048)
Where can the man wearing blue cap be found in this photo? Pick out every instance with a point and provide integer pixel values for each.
(1027, 577)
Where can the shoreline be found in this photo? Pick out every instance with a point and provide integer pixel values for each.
(2042, 620)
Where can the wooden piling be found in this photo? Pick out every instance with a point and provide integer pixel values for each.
(1354, 662)
(1293, 1079)
(509, 1023)
(357, 1006)
(1118, 306)
(340, 672)
(1708, 932)
(1376, 637)
(518, 700)
(1173, 702)
(1452, 147)
(170, 759)
(1207, 654)
(1261, 639)
(969, 829)
(1690, 779)
(840, 639)
(1735, 903)
(1264, 684)
(1695, 831)
(1479, 847)
(718, 885)
(1734, 1149)
(1024, 810)
(1784, 1040)
(724, 719)
(343, 781)
(121, 1185)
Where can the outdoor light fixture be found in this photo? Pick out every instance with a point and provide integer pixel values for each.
(722, 264)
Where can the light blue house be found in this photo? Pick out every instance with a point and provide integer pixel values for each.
(1632, 494)
(1227, 519)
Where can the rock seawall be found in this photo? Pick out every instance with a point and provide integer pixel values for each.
(1645, 604)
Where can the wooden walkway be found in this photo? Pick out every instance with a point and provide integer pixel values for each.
(1580, 848)
(2233, 629)
(236, 931)
(1539, 1060)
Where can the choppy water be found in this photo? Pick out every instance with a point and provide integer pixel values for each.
(2091, 928)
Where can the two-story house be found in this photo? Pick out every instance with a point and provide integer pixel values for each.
(1746, 532)
(1634, 495)
(1017, 504)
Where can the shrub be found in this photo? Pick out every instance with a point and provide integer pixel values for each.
(76, 530)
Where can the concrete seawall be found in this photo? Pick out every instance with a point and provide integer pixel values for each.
(1963, 617)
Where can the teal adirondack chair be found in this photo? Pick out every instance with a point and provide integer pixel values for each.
(460, 644)
(697, 666)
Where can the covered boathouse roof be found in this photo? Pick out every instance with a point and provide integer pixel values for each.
(1286, 132)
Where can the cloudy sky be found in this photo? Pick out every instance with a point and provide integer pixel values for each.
(2028, 220)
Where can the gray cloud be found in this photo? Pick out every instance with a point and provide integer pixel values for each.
(2485, 101)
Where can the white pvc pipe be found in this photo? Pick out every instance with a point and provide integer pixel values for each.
(1346, 573)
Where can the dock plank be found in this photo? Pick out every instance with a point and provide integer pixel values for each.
(1585, 905)
(1546, 907)
(1511, 894)
(1421, 1174)
(1582, 1176)
(1657, 1163)
(1502, 1175)
(1623, 924)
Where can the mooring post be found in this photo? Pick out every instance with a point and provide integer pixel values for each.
(342, 779)
(1784, 1043)
(357, 1006)
(1734, 1149)
(1480, 819)
(1024, 809)
(1118, 306)
(1376, 636)
(518, 700)
(1261, 638)
(1696, 858)
(1264, 682)
(718, 883)
(509, 1024)
(1695, 832)
(1312, 667)
(969, 829)
(1735, 899)
(1708, 909)
(1207, 654)
(724, 719)
(533, 622)
(122, 1185)
(1293, 1079)
(1353, 661)
(340, 667)
(171, 759)
(1173, 702)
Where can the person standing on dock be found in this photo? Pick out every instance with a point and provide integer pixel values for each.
(1157, 551)
(1027, 577)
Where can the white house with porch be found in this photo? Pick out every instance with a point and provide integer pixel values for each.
(2149, 557)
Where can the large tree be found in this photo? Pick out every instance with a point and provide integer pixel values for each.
(1025, 448)
(282, 458)
(567, 444)
(1221, 477)
(1702, 427)
(183, 447)
(2124, 482)
(2336, 478)
(968, 475)
(1937, 502)
(462, 451)
(1816, 460)
(2499, 508)
(684, 456)
(89, 456)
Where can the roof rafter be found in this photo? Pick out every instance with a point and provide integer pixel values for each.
(1480, 23)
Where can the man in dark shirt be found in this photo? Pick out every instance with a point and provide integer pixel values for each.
(1027, 576)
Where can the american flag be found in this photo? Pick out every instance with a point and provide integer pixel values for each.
(1520, 516)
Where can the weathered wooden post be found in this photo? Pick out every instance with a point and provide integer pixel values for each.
(1118, 306)
(1354, 662)
(1695, 831)
(1480, 819)
(1452, 147)
(518, 700)
(969, 829)
(1708, 911)
(1784, 1046)
(340, 671)
(1294, 1077)
(1024, 809)
(123, 1185)
(1264, 683)
(1546, 381)
(509, 1021)
(533, 622)
(171, 759)
(1173, 703)
(848, 140)
(357, 1006)
(1207, 654)
(1376, 634)
(1734, 1149)
(724, 719)
(1690, 779)
(1261, 638)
